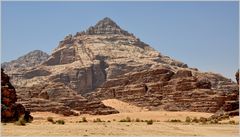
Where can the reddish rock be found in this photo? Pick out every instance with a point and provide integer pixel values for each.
(10, 110)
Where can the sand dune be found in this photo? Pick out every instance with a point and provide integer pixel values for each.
(121, 106)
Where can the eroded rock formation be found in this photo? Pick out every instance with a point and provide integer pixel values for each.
(58, 98)
(10, 110)
(165, 89)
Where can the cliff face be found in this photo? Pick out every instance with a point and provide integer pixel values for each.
(163, 89)
(106, 61)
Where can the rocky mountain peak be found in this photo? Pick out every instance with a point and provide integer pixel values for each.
(107, 41)
(106, 26)
(106, 22)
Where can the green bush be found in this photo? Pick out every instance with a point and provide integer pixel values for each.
(188, 119)
(60, 122)
(149, 122)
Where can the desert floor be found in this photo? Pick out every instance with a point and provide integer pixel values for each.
(40, 125)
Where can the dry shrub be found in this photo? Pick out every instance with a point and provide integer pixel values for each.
(21, 121)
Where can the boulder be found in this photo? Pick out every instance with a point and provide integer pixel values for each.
(203, 83)
(183, 73)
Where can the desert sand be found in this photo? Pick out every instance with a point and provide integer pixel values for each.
(40, 125)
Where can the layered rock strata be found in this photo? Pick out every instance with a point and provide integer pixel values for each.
(106, 61)
(166, 89)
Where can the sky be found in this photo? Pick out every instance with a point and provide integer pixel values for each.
(203, 35)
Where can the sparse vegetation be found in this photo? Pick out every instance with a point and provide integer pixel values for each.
(50, 119)
(188, 119)
(122, 120)
(175, 120)
(195, 120)
(60, 122)
(128, 119)
(203, 120)
(150, 122)
(97, 120)
(21, 121)
(137, 120)
(232, 122)
(225, 116)
(214, 121)
(84, 119)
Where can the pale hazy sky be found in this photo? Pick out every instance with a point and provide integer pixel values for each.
(201, 34)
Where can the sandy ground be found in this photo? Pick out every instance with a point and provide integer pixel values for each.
(40, 125)
(121, 106)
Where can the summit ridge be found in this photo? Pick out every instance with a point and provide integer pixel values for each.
(106, 26)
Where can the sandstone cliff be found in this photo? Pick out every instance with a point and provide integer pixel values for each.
(164, 89)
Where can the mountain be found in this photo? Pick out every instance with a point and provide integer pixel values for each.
(31, 59)
(105, 62)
